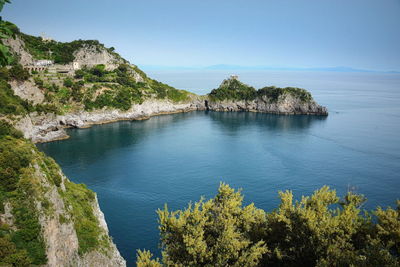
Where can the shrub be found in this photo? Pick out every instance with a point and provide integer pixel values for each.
(46, 108)
(234, 90)
(68, 82)
(86, 224)
(7, 129)
(318, 230)
(11, 103)
(62, 53)
(17, 72)
(4, 74)
(13, 158)
(99, 70)
(123, 68)
(273, 93)
(39, 82)
(10, 256)
(79, 74)
(63, 95)
(76, 91)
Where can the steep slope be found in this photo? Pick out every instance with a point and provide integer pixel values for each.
(44, 218)
(81, 83)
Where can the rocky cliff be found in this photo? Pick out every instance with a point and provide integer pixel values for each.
(286, 105)
(233, 95)
(49, 127)
(107, 88)
(45, 219)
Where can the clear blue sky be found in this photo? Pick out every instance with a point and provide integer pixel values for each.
(297, 33)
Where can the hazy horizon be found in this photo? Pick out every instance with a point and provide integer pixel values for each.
(280, 34)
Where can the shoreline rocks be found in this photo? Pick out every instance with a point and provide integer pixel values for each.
(51, 127)
(286, 105)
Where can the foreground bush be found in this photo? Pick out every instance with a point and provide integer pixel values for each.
(319, 230)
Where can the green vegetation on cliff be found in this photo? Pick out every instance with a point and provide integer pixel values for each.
(10, 103)
(97, 88)
(90, 88)
(23, 195)
(90, 235)
(24, 245)
(7, 30)
(59, 52)
(273, 93)
(318, 230)
(232, 89)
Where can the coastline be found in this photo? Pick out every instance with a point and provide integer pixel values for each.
(51, 127)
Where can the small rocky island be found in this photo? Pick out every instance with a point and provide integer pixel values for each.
(46, 219)
(82, 83)
(233, 95)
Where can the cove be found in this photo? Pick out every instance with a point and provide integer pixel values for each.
(135, 167)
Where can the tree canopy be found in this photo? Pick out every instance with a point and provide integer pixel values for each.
(318, 230)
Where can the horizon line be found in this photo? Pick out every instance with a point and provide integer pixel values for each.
(262, 67)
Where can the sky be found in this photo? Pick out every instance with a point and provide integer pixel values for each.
(361, 34)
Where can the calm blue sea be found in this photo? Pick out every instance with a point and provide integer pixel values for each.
(136, 167)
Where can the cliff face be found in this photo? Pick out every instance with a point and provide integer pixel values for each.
(233, 95)
(50, 127)
(286, 104)
(110, 89)
(46, 219)
(18, 47)
(90, 56)
(63, 225)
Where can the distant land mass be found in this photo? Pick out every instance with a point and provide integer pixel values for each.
(240, 67)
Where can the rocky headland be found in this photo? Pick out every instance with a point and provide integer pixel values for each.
(233, 95)
(87, 90)
(80, 84)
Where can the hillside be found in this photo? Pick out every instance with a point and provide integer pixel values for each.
(52, 85)
(45, 218)
(48, 86)
(82, 75)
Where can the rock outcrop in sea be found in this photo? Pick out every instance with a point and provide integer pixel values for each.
(233, 95)
(95, 85)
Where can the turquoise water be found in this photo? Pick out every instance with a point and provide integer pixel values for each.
(136, 167)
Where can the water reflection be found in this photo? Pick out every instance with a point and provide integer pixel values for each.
(235, 121)
(91, 144)
(87, 146)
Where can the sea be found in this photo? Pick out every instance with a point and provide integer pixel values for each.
(137, 167)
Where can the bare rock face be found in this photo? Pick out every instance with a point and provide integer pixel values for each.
(51, 127)
(28, 91)
(18, 47)
(286, 104)
(92, 55)
(41, 128)
(54, 206)
(62, 244)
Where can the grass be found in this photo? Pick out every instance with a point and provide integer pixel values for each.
(86, 224)
(20, 187)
